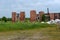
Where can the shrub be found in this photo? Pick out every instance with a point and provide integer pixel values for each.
(43, 18)
(4, 19)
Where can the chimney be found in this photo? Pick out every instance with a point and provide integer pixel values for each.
(48, 10)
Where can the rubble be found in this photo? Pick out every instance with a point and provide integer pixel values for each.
(53, 21)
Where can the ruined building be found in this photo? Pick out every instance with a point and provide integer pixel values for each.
(18, 17)
(34, 16)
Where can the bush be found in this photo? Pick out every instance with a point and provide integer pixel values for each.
(8, 26)
(0, 19)
(4, 19)
(9, 19)
(43, 18)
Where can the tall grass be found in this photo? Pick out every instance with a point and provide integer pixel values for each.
(8, 26)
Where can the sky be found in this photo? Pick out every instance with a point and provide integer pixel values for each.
(9, 6)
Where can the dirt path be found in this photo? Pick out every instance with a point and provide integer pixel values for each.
(36, 36)
(31, 35)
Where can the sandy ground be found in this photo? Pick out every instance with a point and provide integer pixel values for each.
(35, 34)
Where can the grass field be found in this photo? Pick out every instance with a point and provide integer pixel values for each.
(28, 31)
(8, 26)
(48, 33)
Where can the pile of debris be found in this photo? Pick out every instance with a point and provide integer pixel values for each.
(53, 21)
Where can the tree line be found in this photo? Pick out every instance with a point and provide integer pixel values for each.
(5, 19)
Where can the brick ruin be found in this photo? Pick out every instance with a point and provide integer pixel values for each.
(22, 16)
(54, 16)
(34, 16)
(51, 16)
(18, 17)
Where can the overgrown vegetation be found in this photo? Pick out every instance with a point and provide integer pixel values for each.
(43, 18)
(8, 26)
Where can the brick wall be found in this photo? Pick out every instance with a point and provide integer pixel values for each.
(51, 16)
(14, 17)
(22, 16)
(56, 15)
(59, 15)
(32, 15)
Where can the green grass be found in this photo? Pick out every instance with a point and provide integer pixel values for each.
(8, 26)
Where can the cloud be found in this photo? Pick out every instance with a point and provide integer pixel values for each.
(26, 5)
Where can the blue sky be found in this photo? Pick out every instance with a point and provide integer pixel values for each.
(7, 6)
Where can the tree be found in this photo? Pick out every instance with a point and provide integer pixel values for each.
(0, 19)
(4, 19)
(43, 18)
(9, 19)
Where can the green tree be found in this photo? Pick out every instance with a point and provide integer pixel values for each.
(4, 19)
(0, 19)
(43, 18)
(9, 19)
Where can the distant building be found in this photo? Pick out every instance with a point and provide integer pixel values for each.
(34, 16)
(17, 16)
